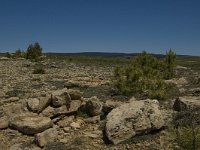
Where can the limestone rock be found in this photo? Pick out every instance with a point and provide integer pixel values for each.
(37, 105)
(46, 137)
(21, 146)
(32, 104)
(52, 112)
(77, 124)
(4, 122)
(184, 103)
(30, 123)
(60, 98)
(93, 107)
(95, 119)
(75, 105)
(75, 94)
(65, 121)
(12, 109)
(135, 117)
(48, 112)
(109, 105)
(4, 58)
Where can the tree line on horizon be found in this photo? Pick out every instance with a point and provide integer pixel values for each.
(33, 52)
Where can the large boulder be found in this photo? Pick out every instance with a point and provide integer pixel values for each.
(60, 98)
(30, 123)
(46, 137)
(133, 118)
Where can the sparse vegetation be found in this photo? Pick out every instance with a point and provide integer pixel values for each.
(145, 75)
(187, 130)
(39, 70)
(91, 75)
(7, 54)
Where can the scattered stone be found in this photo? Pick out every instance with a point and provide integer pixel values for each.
(46, 137)
(67, 129)
(75, 125)
(93, 108)
(44, 102)
(4, 122)
(184, 103)
(178, 82)
(65, 121)
(109, 105)
(21, 146)
(136, 117)
(32, 104)
(181, 67)
(4, 58)
(60, 98)
(13, 99)
(74, 106)
(30, 123)
(48, 112)
(195, 91)
(70, 84)
(52, 112)
(75, 94)
(13, 109)
(16, 147)
(94, 120)
(37, 105)
(91, 135)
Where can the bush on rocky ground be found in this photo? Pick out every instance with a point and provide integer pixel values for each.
(186, 131)
(34, 51)
(39, 70)
(145, 75)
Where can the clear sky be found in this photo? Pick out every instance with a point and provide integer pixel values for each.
(101, 25)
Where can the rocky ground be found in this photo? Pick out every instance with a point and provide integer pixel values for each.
(67, 107)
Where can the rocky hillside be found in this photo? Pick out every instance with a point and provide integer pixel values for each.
(72, 106)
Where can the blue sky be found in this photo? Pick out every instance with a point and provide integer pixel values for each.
(101, 25)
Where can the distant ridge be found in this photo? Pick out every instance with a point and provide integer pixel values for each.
(99, 54)
(107, 54)
(103, 54)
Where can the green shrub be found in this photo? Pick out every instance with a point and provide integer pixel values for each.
(144, 75)
(34, 51)
(186, 137)
(170, 64)
(8, 55)
(186, 131)
(39, 70)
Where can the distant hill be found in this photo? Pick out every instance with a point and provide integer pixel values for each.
(100, 54)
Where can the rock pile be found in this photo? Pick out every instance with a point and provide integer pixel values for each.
(43, 116)
(40, 115)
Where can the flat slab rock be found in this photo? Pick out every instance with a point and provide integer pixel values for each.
(30, 123)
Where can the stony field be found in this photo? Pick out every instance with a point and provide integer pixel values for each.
(74, 107)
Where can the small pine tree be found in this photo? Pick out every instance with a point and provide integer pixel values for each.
(145, 75)
(170, 64)
(34, 51)
(17, 54)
